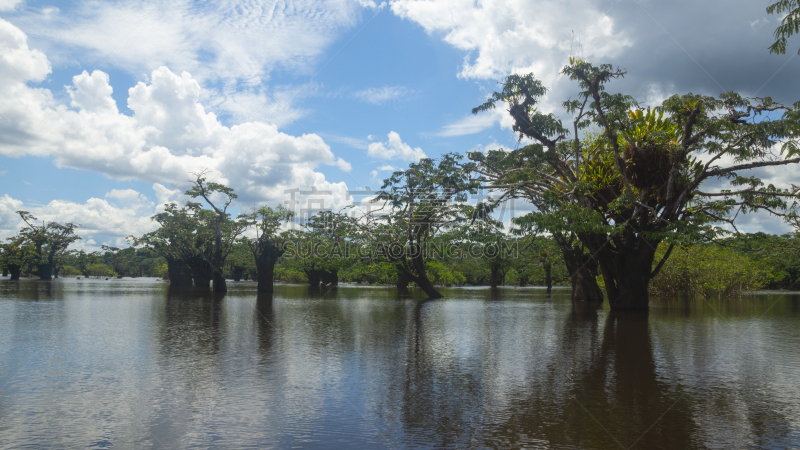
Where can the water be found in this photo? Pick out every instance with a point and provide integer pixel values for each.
(96, 364)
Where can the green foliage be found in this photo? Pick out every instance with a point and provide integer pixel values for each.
(101, 270)
(441, 275)
(790, 23)
(709, 271)
(629, 178)
(780, 254)
(69, 271)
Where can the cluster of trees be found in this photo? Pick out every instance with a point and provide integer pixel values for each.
(42, 250)
(616, 189)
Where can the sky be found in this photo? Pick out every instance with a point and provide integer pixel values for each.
(109, 108)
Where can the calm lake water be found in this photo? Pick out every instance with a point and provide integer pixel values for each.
(124, 363)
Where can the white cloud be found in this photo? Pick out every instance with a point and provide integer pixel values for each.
(170, 135)
(109, 221)
(229, 46)
(395, 148)
(8, 5)
(504, 36)
(379, 96)
(474, 123)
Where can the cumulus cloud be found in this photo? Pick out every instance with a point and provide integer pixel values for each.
(214, 41)
(395, 148)
(169, 137)
(667, 47)
(105, 221)
(378, 96)
(520, 35)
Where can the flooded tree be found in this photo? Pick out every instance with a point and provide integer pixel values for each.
(13, 256)
(174, 239)
(224, 231)
(46, 242)
(628, 179)
(418, 204)
(269, 244)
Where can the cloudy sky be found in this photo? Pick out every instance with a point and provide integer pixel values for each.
(109, 107)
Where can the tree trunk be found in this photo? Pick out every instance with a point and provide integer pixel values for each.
(421, 278)
(314, 277)
(237, 273)
(45, 272)
(548, 278)
(266, 276)
(5, 271)
(55, 272)
(627, 271)
(15, 271)
(200, 275)
(219, 281)
(583, 272)
(402, 280)
(330, 277)
(178, 273)
(494, 278)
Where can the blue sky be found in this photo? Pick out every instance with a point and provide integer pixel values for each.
(109, 106)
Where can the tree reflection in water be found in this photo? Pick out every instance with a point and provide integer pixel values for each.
(600, 391)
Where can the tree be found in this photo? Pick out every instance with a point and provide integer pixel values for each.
(790, 23)
(225, 231)
(174, 240)
(420, 202)
(47, 242)
(629, 179)
(268, 245)
(483, 236)
(14, 255)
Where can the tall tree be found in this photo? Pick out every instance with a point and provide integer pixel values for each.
(790, 23)
(629, 179)
(268, 244)
(14, 255)
(174, 239)
(420, 202)
(511, 173)
(47, 242)
(225, 231)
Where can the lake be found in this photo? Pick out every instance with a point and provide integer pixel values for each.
(125, 363)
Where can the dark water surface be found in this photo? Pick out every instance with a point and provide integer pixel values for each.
(122, 363)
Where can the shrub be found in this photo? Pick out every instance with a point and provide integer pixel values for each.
(100, 270)
(706, 270)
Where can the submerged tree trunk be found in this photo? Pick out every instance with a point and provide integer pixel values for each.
(494, 278)
(626, 263)
(45, 271)
(330, 277)
(314, 277)
(266, 276)
(548, 278)
(421, 277)
(220, 285)
(627, 279)
(178, 273)
(237, 273)
(583, 272)
(402, 280)
(15, 271)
